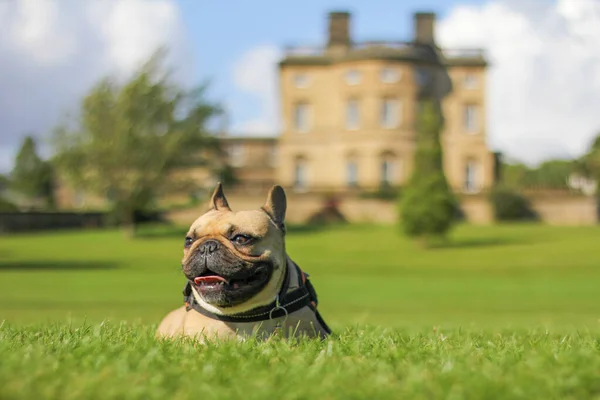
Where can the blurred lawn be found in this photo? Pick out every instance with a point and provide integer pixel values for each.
(513, 276)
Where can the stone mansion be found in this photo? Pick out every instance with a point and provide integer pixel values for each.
(348, 116)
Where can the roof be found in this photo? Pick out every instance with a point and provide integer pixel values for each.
(381, 50)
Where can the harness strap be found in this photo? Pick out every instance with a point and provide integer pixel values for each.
(285, 304)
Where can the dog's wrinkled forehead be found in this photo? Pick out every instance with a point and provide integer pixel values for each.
(223, 223)
(221, 220)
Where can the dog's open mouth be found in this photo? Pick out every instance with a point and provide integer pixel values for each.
(211, 281)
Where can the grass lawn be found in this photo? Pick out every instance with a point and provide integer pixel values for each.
(500, 312)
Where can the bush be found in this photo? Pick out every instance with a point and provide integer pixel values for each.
(509, 205)
(7, 206)
(329, 214)
(427, 206)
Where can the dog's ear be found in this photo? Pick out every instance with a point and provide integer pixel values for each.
(276, 205)
(218, 201)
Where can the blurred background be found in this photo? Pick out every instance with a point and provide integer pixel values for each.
(440, 158)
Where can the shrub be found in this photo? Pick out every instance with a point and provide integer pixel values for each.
(428, 207)
(509, 205)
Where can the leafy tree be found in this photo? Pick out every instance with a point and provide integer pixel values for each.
(32, 176)
(427, 205)
(131, 140)
(589, 164)
(552, 174)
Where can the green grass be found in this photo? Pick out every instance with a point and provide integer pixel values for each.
(120, 361)
(501, 312)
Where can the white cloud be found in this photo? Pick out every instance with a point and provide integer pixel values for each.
(544, 79)
(53, 50)
(256, 74)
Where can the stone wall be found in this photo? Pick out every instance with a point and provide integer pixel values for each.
(566, 210)
(555, 210)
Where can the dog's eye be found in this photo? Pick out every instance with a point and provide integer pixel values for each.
(241, 239)
(188, 241)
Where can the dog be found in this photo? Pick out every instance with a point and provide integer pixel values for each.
(240, 280)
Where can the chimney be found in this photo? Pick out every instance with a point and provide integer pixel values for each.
(339, 29)
(424, 28)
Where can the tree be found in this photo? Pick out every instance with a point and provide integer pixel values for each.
(427, 206)
(31, 176)
(130, 139)
(551, 174)
(589, 164)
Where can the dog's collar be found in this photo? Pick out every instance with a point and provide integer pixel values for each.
(286, 302)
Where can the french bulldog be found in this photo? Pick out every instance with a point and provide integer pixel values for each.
(240, 280)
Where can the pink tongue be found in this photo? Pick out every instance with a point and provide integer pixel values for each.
(209, 279)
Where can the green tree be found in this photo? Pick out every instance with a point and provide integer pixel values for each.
(551, 174)
(31, 176)
(427, 205)
(589, 164)
(130, 140)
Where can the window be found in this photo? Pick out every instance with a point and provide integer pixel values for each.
(387, 172)
(390, 113)
(470, 81)
(352, 114)
(471, 177)
(300, 175)
(353, 77)
(471, 118)
(422, 76)
(272, 156)
(301, 117)
(389, 75)
(352, 174)
(236, 154)
(301, 80)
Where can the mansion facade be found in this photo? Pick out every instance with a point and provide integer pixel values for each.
(348, 113)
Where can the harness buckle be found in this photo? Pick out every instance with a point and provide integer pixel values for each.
(278, 307)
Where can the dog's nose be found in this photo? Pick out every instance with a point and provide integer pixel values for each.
(210, 246)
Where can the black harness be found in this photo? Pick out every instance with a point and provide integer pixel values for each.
(286, 302)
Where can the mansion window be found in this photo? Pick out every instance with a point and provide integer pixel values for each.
(352, 174)
(470, 80)
(236, 154)
(387, 172)
(300, 175)
(389, 75)
(301, 117)
(390, 113)
(352, 114)
(353, 77)
(470, 118)
(471, 183)
(422, 76)
(301, 80)
(273, 152)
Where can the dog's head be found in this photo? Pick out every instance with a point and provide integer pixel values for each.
(237, 260)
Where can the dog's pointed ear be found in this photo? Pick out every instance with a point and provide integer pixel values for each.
(218, 201)
(276, 205)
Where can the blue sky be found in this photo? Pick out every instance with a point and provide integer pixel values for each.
(543, 85)
(220, 33)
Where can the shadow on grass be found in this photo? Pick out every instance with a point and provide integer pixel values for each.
(56, 265)
(477, 242)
